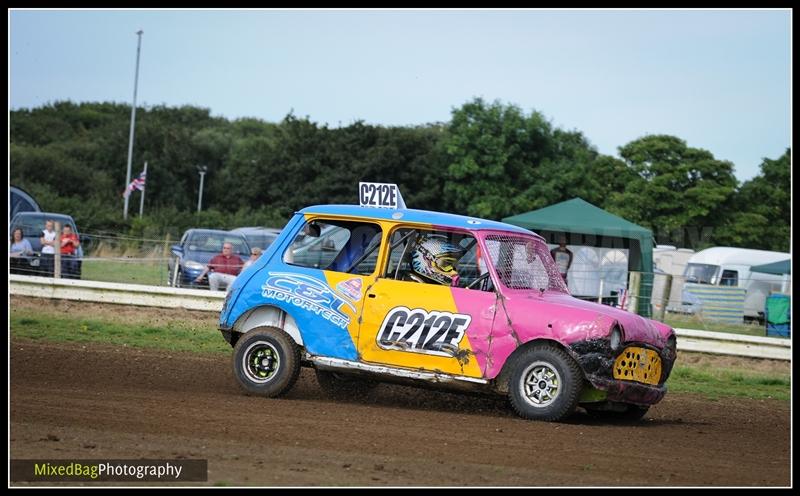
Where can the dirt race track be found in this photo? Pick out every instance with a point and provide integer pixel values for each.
(98, 401)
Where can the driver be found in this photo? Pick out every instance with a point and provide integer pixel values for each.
(434, 260)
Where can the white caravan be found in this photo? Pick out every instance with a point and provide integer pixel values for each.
(726, 266)
(672, 261)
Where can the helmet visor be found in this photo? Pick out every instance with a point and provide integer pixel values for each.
(445, 263)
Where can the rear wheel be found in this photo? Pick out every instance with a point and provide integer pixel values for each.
(266, 362)
(545, 384)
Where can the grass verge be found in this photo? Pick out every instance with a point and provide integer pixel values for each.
(77, 329)
(714, 383)
(133, 272)
(695, 322)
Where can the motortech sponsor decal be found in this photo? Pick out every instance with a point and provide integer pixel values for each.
(307, 293)
(420, 331)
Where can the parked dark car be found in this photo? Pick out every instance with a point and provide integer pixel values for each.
(32, 225)
(260, 237)
(197, 247)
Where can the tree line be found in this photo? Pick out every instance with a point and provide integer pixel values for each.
(490, 160)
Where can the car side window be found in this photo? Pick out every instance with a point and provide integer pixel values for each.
(339, 246)
(436, 257)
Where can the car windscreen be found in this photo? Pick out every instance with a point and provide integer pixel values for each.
(524, 263)
(212, 243)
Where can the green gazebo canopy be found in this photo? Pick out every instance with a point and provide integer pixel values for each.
(579, 216)
(598, 228)
(777, 268)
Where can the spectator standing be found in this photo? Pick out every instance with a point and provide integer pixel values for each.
(48, 240)
(562, 256)
(69, 246)
(222, 269)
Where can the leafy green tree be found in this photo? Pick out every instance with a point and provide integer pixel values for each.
(606, 179)
(761, 210)
(683, 190)
(566, 174)
(493, 149)
(490, 160)
(505, 162)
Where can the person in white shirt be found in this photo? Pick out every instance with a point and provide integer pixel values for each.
(48, 240)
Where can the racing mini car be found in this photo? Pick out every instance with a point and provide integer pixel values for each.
(366, 295)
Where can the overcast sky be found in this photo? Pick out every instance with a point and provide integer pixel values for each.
(718, 79)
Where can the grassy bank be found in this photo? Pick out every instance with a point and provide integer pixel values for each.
(138, 271)
(695, 322)
(173, 336)
(716, 382)
(43, 323)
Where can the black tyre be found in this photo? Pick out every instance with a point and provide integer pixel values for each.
(266, 362)
(620, 411)
(343, 386)
(545, 384)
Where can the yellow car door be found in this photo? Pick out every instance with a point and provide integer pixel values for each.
(424, 326)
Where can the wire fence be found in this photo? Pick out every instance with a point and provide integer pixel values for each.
(124, 259)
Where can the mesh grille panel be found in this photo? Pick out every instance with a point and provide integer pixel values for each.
(524, 263)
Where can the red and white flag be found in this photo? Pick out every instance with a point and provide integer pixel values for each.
(137, 183)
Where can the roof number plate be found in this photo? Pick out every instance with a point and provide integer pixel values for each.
(379, 195)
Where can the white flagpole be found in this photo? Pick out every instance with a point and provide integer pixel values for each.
(133, 122)
(141, 200)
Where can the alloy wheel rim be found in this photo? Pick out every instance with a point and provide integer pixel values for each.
(261, 362)
(540, 385)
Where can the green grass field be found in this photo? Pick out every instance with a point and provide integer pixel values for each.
(714, 383)
(134, 272)
(41, 324)
(73, 328)
(694, 322)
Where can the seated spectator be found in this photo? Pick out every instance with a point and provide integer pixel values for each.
(18, 251)
(69, 246)
(222, 269)
(254, 254)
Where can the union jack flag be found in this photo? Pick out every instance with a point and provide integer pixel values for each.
(622, 298)
(137, 183)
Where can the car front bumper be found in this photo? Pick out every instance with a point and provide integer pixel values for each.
(624, 380)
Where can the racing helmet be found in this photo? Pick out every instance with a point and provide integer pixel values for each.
(434, 258)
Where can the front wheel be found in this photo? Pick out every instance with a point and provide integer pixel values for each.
(545, 384)
(266, 362)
